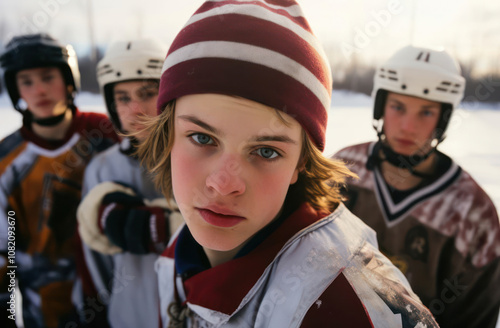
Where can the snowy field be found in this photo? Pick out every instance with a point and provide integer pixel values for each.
(473, 135)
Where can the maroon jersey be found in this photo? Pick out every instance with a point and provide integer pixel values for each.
(444, 236)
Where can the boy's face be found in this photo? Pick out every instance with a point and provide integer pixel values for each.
(134, 99)
(232, 163)
(409, 123)
(44, 91)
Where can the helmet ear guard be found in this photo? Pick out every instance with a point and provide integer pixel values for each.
(444, 120)
(379, 104)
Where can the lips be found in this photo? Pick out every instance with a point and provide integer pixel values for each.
(220, 217)
(405, 142)
(43, 103)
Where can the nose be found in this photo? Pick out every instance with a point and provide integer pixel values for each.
(226, 179)
(40, 88)
(408, 123)
(136, 106)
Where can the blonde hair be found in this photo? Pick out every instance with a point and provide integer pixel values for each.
(320, 178)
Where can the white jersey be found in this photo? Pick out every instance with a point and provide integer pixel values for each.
(313, 271)
(125, 281)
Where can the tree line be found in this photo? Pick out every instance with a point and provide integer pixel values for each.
(356, 77)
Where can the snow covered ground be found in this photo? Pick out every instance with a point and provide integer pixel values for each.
(473, 135)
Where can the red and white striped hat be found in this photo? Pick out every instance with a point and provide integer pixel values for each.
(262, 50)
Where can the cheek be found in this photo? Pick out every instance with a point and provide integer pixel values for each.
(186, 172)
(123, 113)
(428, 131)
(150, 109)
(389, 122)
(24, 92)
(271, 189)
(60, 88)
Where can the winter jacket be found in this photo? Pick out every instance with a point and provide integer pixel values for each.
(312, 271)
(40, 188)
(444, 236)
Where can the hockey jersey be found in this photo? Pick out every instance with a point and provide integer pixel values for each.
(444, 236)
(127, 283)
(40, 188)
(311, 271)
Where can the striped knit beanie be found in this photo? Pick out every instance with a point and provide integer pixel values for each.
(262, 50)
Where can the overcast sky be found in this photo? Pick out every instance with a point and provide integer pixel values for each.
(370, 29)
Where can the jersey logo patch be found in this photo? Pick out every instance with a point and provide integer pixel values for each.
(417, 243)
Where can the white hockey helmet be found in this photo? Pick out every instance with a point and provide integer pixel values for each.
(140, 59)
(420, 72)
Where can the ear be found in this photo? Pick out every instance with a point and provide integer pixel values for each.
(301, 166)
(295, 176)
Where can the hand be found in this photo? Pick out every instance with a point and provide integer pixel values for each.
(131, 225)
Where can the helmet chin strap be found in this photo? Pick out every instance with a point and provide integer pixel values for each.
(407, 162)
(396, 159)
(49, 121)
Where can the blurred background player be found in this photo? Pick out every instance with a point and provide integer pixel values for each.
(41, 172)
(123, 213)
(432, 219)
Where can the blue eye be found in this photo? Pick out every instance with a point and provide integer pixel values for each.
(397, 108)
(267, 153)
(202, 139)
(123, 100)
(428, 113)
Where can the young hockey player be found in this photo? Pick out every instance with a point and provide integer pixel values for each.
(243, 99)
(432, 219)
(41, 171)
(122, 213)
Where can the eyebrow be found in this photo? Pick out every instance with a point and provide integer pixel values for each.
(279, 138)
(121, 91)
(197, 121)
(263, 138)
(400, 103)
(395, 100)
(46, 70)
(140, 89)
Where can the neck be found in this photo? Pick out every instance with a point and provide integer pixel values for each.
(402, 179)
(220, 257)
(56, 132)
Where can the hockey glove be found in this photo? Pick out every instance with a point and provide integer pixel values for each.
(133, 226)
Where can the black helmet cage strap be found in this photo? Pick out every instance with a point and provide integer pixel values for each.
(111, 106)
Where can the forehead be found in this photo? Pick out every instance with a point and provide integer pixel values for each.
(135, 85)
(201, 104)
(32, 72)
(412, 101)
